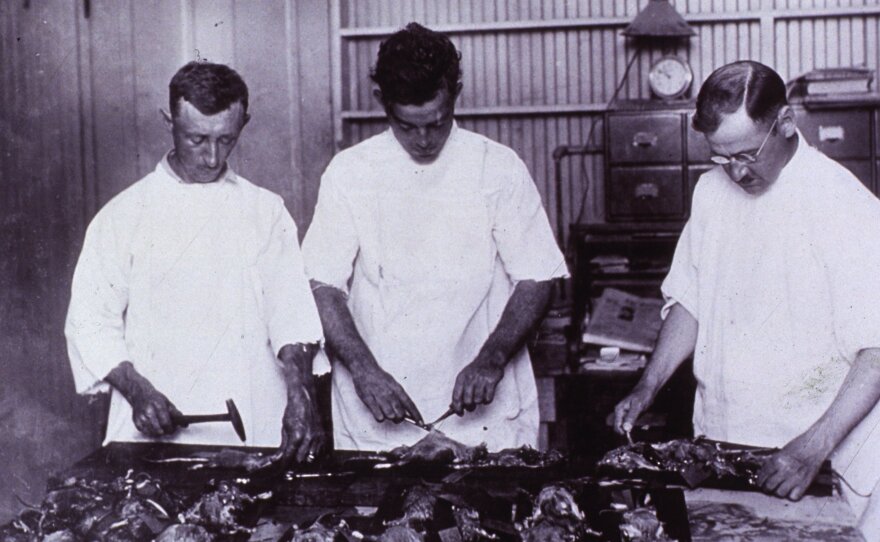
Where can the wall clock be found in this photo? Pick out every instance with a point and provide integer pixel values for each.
(670, 77)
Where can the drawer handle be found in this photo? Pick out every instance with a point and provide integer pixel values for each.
(832, 134)
(646, 191)
(644, 139)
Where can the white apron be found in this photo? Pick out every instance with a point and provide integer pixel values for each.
(427, 290)
(785, 289)
(197, 317)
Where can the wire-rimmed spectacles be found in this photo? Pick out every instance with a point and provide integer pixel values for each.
(744, 157)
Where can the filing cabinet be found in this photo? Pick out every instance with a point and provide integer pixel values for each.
(637, 138)
(844, 135)
(653, 157)
(645, 157)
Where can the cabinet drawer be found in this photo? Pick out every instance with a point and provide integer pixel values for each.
(649, 137)
(646, 193)
(839, 134)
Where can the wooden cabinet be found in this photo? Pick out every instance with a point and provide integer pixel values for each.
(844, 135)
(653, 156)
(645, 156)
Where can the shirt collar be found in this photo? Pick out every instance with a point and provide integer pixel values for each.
(165, 166)
(453, 135)
(799, 159)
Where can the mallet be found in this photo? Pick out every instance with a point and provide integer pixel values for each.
(231, 416)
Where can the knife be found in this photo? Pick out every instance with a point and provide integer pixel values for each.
(420, 425)
(449, 412)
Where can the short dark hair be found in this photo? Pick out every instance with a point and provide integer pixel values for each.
(414, 64)
(210, 88)
(752, 84)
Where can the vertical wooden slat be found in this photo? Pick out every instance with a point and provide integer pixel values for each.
(503, 79)
(340, 71)
(264, 150)
(845, 44)
(858, 42)
(793, 65)
(871, 43)
(315, 134)
(113, 92)
(154, 25)
(832, 42)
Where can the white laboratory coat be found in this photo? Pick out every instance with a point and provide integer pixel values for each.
(430, 255)
(786, 289)
(199, 286)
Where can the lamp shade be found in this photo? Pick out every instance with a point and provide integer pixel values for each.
(659, 20)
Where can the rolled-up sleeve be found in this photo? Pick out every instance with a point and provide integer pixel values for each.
(99, 296)
(291, 315)
(681, 284)
(848, 246)
(522, 232)
(331, 243)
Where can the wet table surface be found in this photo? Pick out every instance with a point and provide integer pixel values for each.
(740, 516)
(713, 514)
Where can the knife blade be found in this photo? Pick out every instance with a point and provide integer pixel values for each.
(420, 425)
(449, 412)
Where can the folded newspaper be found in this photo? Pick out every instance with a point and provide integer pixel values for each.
(624, 320)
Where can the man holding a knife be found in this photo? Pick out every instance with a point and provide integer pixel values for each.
(431, 259)
(774, 289)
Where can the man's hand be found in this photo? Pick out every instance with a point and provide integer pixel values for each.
(790, 471)
(302, 435)
(152, 413)
(629, 409)
(385, 398)
(475, 384)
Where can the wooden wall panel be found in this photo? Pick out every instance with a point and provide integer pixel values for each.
(112, 54)
(265, 150)
(41, 184)
(309, 39)
(157, 26)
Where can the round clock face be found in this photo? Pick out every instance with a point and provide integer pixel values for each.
(670, 77)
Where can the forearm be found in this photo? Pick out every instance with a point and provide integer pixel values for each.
(127, 381)
(855, 399)
(296, 360)
(677, 341)
(340, 331)
(521, 316)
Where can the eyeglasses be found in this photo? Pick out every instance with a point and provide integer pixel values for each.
(743, 157)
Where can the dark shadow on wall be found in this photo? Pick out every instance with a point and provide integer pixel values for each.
(36, 442)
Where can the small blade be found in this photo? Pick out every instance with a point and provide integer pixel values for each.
(449, 412)
(423, 426)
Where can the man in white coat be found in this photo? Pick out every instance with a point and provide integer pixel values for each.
(774, 289)
(432, 260)
(190, 289)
